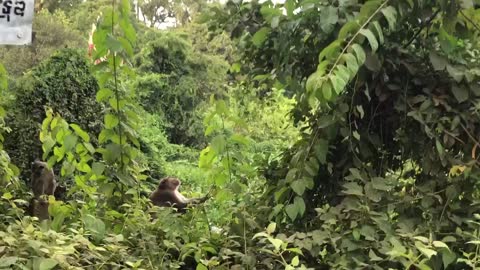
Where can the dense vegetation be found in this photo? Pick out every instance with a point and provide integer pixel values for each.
(327, 134)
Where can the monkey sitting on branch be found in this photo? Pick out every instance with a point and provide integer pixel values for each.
(167, 195)
(43, 183)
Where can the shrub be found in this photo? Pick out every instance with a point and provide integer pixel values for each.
(64, 83)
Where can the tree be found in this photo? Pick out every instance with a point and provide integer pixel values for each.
(176, 81)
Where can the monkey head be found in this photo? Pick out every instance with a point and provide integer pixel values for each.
(38, 167)
(169, 183)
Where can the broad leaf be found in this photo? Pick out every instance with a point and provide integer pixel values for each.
(260, 36)
(371, 38)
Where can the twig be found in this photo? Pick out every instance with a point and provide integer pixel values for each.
(470, 20)
(421, 28)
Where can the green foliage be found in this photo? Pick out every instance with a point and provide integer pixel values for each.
(8, 171)
(371, 104)
(70, 146)
(114, 40)
(177, 84)
(52, 32)
(381, 170)
(64, 5)
(64, 83)
(86, 14)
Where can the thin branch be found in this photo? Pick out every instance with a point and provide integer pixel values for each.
(470, 20)
(469, 135)
(421, 28)
(355, 36)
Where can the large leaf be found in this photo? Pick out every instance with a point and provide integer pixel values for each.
(390, 14)
(111, 121)
(460, 93)
(260, 36)
(371, 38)
(360, 53)
(292, 211)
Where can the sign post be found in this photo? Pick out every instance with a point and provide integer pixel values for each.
(16, 17)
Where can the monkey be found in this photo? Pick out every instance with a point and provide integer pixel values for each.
(167, 194)
(43, 179)
(43, 183)
(39, 208)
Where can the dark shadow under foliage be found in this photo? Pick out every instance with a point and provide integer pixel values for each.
(64, 83)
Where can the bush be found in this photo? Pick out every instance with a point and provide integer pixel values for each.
(64, 83)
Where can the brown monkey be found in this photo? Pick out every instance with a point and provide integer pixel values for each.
(167, 194)
(43, 179)
(39, 208)
(43, 183)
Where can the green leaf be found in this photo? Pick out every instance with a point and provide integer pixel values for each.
(378, 28)
(260, 36)
(466, 4)
(299, 204)
(295, 261)
(111, 121)
(352, 188)
(3, 78)
(351, 61)
(298, 187)
(128, 30)
(360, 53)
(440, 244)
(69, 142)
(277, 243)
(314, 82)
(438, 62)
(82, 134)
(390, 14)
(321, 151)
(455, 73)
(422, 239)
(125, 7)
(201, 267)
(379, 183)
(218, 143)
(448, 257)
(460, 93)
(48, 144)
(113, 44)
(292, 211)
(47, 264)
(368, 232)
(371, 38)
(348, 28)
(342, 72)
(330, 51)
(95, 226)
(356, 234)
(126, 46)
(7, 261)
(289, 7)
(440, 149)
(373, 62)
(98, 168)
(373, 256)
(425, 251)
(239, 139)
(327, 90)
(338, 85)
(271, 227)
(207, 157)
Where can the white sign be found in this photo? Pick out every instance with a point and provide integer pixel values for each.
(16, 18)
